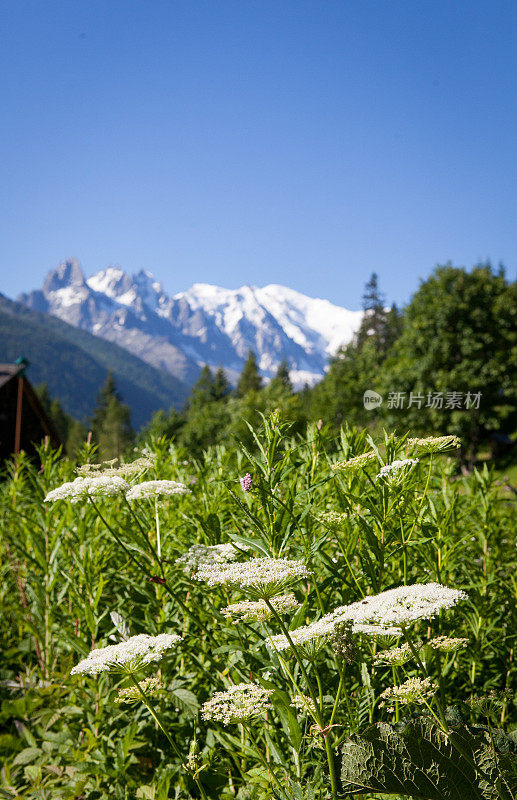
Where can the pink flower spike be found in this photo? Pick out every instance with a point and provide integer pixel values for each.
(246, 482)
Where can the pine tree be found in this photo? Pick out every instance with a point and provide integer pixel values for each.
(61, 421)
(110, 423)
(250, 380)
(282, 380)
(162, 423)
(203, 390)
(373, 325)
(221, 387)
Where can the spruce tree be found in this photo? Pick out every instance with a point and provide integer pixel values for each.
(373, 325)
(221, 387)
(110, 423)
(61, 421)
(282, 380)
(250, 380)
(203, 390)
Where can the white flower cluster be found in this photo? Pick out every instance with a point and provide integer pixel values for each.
(414, 690)
(155, 489)
(402, 605)
(435, 444)
(379, 615)
(258, 611)
(356, 463)
(237, 704)
(126, 656)
(313, 637)
(396, 469)
(82, 488)
(260, 576)
(209, 554)
(130, 694)
(303, 703)
(376, 631)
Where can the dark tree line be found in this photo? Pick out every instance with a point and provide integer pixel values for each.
(457, 337)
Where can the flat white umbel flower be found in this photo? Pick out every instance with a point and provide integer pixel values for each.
(414, 690)
(210, 554)
(127, 656)
(239, 703)
(402, 605)
(258, 610)
(259, 577)
(310, 639)
(155, 489)
(397, 469)
(84, 487)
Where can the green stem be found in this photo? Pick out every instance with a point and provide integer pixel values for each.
(299, 659)
(157, 520)
(317, 706)
(171, 741)
(264, 762)
(117, 537)
(338, 694)
(144, 534)
(291, 677)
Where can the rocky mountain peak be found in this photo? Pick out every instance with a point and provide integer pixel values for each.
(67, 273)
(205, 324)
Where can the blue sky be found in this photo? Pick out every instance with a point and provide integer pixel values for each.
(294, 142)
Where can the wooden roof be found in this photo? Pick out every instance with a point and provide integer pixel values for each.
(8, 371)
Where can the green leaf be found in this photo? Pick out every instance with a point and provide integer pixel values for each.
(27, 755)
(417, 759)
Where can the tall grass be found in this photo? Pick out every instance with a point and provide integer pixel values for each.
(78, 576)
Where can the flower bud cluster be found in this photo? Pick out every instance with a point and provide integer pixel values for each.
(355, 464)
(303, 703)
(397, 469)
(446, 644)
(131, 694)
(246, 482)
(414, 690)
(395, 657)
(332, 519)
(210, 554)
(435, 444)
(342, 641)
(258, 610)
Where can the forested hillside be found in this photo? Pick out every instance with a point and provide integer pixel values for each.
(73, 363)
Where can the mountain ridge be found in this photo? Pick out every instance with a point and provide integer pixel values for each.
(205, 324)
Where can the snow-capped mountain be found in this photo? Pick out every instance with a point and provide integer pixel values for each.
(203, 325)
